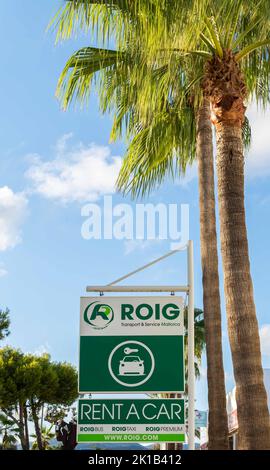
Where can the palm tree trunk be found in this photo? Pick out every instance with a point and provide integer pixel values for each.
(26, 431)
(218, 421)
(37, 427)
(21, 428)
(252, 410)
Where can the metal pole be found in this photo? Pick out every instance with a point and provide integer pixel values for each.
(110, 288)
(191, 369)
(142, 268)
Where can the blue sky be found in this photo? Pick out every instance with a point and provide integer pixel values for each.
(45, 264)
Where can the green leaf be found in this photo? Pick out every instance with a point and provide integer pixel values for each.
(242, 36)
(250, 48)
(214, 37)
(207, 42)
(235, 18)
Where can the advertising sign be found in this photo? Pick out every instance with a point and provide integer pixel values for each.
(200, 419)
(125, 420)
(131, 344)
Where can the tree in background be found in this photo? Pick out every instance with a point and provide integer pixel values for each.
(4, 323)
(16, 382)
(27, 384)
(62, 391)
(54, 413)
(9, 432)
(46, 436)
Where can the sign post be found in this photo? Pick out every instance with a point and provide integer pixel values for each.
(117, 364)
(191, 368)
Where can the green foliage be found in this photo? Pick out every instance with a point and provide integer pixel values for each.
(9, 431)
(90, 16)
(9, 442)
(29, 381)
(66, 388)
(26, 376)
(17, 377)
(79, 72)
(158, 151)
(55, 413)
(153, 83)
(121, 20)
(46, 435)
(199, 335)
(160, 31)
(4, 323)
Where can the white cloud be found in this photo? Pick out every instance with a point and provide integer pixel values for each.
(41, 349)
(203, 372)
(190, 175)
(258, 158)
(13, 209)
(265, 339)
(228, 376)
(134, 245)
(77, 173)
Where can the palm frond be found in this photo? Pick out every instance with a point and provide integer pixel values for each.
(152, 84)
(245, 33)
(165, 148)
(251, 48)
(207, 42)
(232, 21)
(246, 133)
(99, 17)
(214, 37)
(79, 72)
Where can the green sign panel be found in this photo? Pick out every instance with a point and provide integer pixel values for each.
(125, 420)
(131, 344)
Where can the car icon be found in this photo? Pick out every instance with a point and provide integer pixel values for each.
(131, 365)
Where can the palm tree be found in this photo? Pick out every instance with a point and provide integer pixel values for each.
(46, 436)
(9, 442)
(9, 431)
(170, 135)
(232, 56)
(217, 416)
(237, 68)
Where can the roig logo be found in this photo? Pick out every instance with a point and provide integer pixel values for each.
(98, 315)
